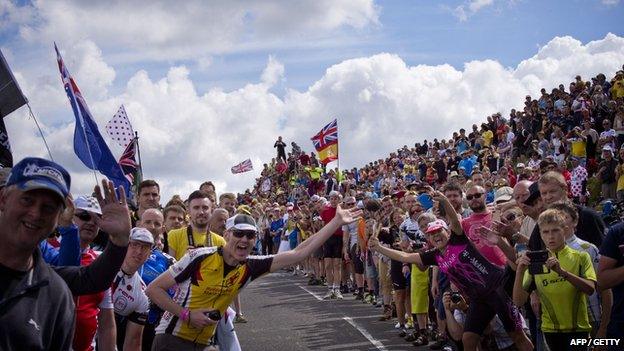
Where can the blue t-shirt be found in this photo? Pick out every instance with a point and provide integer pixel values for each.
(277, 226)
(611, 248)
(468, 165)
(156, 264)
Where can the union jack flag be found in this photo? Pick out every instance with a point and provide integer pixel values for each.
(327, 136)
(242, 167)
(128, 162)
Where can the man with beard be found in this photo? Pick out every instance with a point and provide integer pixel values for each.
(196, 234)
(192, 315)
(477, 222)
(149, 197)
(454, 193)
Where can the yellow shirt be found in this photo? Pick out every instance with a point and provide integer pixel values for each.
(202, 283)
(487, 137)
(178, 241)
(564, 307)
(578, 148)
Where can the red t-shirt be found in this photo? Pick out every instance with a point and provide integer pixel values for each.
(327, 214)
(87, 310)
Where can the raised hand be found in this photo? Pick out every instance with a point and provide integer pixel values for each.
(492, 237)
(67, 216)
(115, 213)
(347, 216)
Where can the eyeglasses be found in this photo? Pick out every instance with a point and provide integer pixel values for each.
(473, 196)
(86, 216)
(249, 234)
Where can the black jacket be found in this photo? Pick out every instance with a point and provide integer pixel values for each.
(38, 313)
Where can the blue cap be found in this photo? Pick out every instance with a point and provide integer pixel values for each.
(37, 173)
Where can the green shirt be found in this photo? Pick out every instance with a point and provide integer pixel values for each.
(564, 307)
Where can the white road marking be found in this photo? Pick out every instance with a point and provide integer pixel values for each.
(310, 292)
(366, 334)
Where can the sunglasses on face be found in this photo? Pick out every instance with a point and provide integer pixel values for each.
(249, 234)
(473, 196)
(350, 203)
(86, 216)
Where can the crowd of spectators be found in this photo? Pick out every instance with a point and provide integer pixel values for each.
(563, 148)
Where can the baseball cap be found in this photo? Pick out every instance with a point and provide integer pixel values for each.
(243, 209)
(607, 148)
(141, 234)
(520, 165)
(87, 203)
(503, 194)
(33, 173)
(334, 193)
(436, 225)
(315, 198)
(241, 222)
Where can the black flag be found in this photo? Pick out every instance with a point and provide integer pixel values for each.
(11, 98)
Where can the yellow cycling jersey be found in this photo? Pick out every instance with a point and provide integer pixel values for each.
(204, 283)
(564, 307)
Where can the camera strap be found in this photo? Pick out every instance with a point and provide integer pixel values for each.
(191, 241)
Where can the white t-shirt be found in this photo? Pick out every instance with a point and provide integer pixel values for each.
(128, 294)
(351, 228)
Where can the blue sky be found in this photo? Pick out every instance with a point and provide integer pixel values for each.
(213, 83)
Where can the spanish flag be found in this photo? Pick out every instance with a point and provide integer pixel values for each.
(326, 142)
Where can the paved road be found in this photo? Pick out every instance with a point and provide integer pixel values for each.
(285, 313)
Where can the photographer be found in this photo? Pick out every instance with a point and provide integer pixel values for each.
(456, 308)
(563, 294)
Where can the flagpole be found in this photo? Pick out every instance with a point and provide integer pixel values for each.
(338, 155)
(41, 132)
(136, 138)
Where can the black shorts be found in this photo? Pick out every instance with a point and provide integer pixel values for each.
(358, 264)
(399, 281)
(333, 247)
(483, 309)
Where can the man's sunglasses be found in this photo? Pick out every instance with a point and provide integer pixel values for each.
(250, 234)
(510, 217)
(86, 216)
(473, 196)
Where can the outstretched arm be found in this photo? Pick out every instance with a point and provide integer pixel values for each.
(373, 244)
(451, 216)
(304, 250)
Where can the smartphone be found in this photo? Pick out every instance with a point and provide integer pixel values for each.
(538, 258)
(214, 315)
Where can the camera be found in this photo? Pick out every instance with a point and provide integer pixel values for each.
(214, 315)
(456, 297)
(538, 259)
(417, 245)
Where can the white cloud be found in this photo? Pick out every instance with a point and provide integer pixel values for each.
(610, 2)
(156, 30)
(469, 8)
(381, 104)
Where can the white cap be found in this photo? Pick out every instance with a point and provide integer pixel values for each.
(142, 235)
(87, 203)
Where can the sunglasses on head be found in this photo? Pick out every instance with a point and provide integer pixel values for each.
(473, 196)
(250, 234)
(86, 216)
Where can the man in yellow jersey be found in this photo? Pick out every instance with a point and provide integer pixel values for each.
(196, 234)
(209, 278)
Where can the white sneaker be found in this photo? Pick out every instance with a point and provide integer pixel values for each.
(338, 294)
(329, 295)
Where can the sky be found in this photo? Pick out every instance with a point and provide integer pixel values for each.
(208, 84)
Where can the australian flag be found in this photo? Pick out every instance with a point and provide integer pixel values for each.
(89, 145)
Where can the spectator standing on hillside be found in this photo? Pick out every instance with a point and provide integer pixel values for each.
(281, 148)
